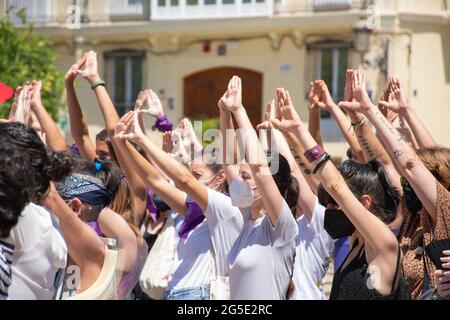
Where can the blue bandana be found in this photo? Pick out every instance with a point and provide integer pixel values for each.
(88, 189)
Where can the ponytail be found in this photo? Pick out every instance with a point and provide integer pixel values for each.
(391, 194)
(59, 166)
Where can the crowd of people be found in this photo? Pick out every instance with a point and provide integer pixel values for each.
(257, 217)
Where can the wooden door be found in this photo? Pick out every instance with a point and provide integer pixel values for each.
(203, 90)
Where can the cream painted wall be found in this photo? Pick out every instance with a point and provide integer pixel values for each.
(431, 78)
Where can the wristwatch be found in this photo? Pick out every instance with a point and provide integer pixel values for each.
(98, 83)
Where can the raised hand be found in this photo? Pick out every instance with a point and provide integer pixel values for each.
(148, 102)
(128, 128)
(179, 152)
(348, 90)
(271, 113)
(313, 98)
(398, 102)
(90, 72)
(323, 96)
(36, 88)
(361, 100)
(232, 101)
(290, 120)
(72, 74)
(167, 142)
(12, 114)
(189, 136)
(21, 109)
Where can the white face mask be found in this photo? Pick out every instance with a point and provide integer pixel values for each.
(208, 181)
(241, 194)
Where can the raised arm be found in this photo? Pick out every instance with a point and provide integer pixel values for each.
(314, 114)
(90, 73)
(306, 199)
(229, 142)
(271, 197)
(376, 234)
(147, 172)
(406, 159)
(54, 139)
(78, 123)
(327, 103)
(83, 244)
(400, 105)
(303, 163)
(180, 175)
(114, 226)
(21, 109)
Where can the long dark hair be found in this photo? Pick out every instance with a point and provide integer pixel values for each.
(286, 183)
(368, 179)
(45, 166)
(15, 191)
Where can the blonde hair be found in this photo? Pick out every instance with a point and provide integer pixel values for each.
(437, 161)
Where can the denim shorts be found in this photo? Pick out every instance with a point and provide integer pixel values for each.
(199, 293)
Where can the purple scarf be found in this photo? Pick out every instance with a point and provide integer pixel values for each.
(151, 207)
(94, 225)
(194, 217)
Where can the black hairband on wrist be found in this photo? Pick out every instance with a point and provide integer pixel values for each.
(326, 157)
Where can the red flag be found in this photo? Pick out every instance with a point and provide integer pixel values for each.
(6, 92)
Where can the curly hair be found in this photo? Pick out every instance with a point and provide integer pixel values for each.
(15, 182)
(45, 166)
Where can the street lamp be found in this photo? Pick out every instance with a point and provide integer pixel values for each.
(362, 36)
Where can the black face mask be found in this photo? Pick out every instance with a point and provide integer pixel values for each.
(413, 203)
(337, 224)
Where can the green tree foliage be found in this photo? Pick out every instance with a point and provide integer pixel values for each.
(25, 56)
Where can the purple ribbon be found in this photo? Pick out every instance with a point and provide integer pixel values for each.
(94, 225)
(194, 217)
(151, 207)
(75, 149)
(163, 124)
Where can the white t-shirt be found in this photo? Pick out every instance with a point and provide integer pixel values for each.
(192, 264)
(193, 261)
(261, 261)
(225, 223)
(40, 251)
(314, 250)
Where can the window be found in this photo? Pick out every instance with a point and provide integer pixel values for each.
(37, 11)
(124, 78)
(328, 61)
(332, 5)
(126, 7)
(331, 66)
(209, 9)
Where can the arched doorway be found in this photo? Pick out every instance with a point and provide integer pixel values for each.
(203, 90)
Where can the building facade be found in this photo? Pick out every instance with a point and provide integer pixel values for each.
(187, 50)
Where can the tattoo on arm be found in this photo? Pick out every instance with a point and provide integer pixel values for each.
(368, 149)
(305, 169)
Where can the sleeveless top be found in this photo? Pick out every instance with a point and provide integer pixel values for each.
(351, 283)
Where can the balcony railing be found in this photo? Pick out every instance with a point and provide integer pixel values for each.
(44, 12)
(210, 9)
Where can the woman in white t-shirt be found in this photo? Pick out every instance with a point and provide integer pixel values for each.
(40, 250)
(261, 261)
(199, 197)
(314, 246)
